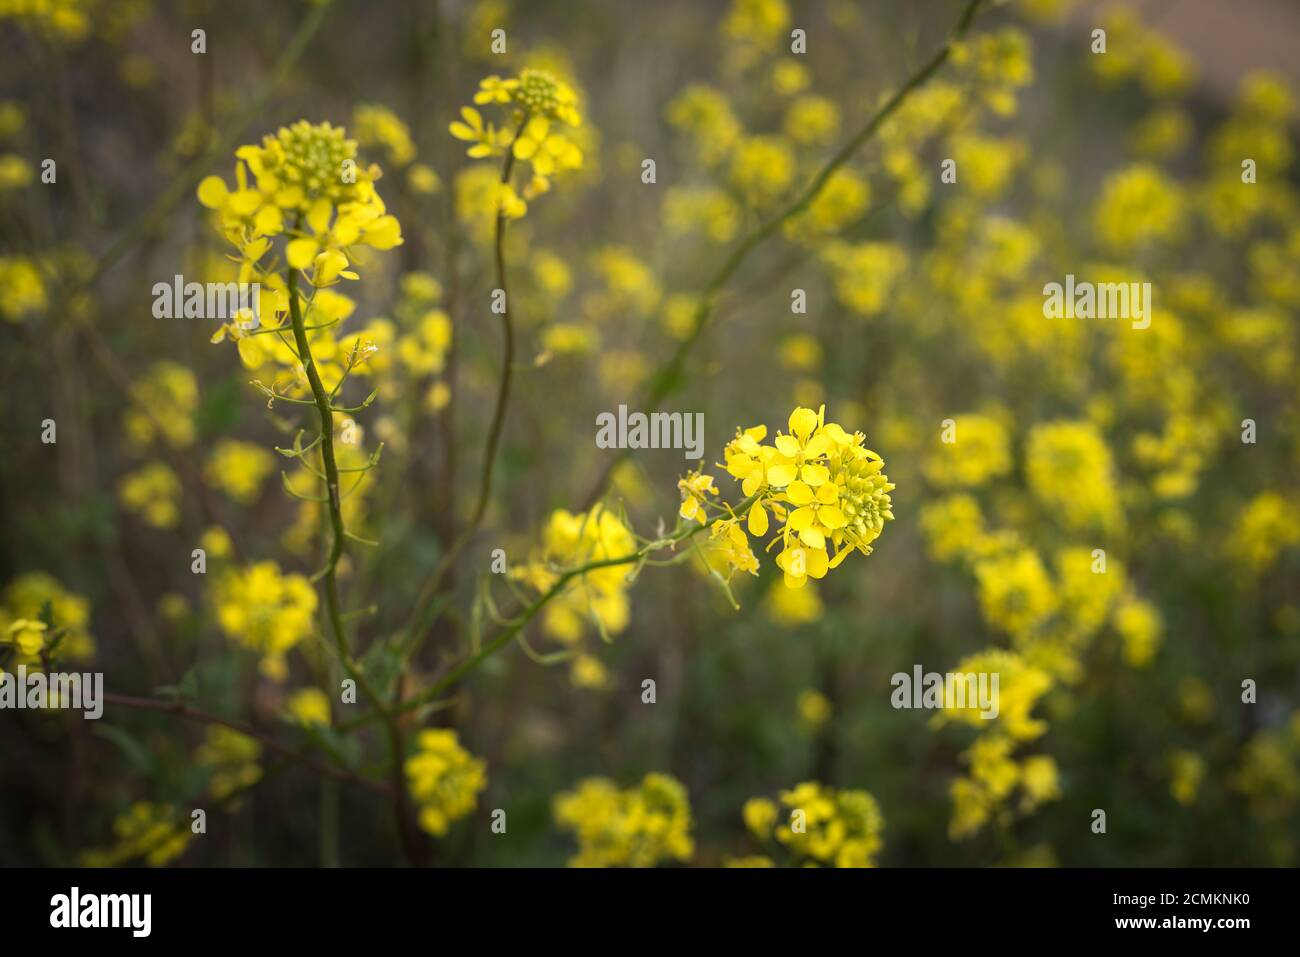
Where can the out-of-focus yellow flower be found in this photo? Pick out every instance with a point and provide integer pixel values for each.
(377, 126)
(1140, 627)
(22, 290)
(814, 708)
(264, 610)
(164, 402)
(1069, 469)
(1266, 526)
(762, 168)
(152, 832)
(1016, 593)
(981, 451)
(444, 778)
(705, 114)
(1139, 205)
(22, 609)
(865, 274)
(239, 469)
(1186, 772)
(825, 826)
(639, 826)
(310, 707)
(597, 598)
(153, 492)
(232, 757)
(812, 120)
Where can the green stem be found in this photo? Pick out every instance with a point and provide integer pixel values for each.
(410, 838)
(415, 628)
(519, 622)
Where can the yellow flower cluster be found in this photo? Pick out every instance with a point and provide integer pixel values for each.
(22, 290)
(444, 779)
(828, 491)
(265, 610)
(599, 597)
(1269, 775)
(309, 707)
(148, 831)
(307, 186)
(1267, 525)
(26, 636)
(232, 759)
(538, 105)
(639, 826)
(239, 469)
(308, 190)
(164, 401)
(153, 492)
(67, 20)
(980, 451)
(1069, 469)
(818, 825)
(995, 774)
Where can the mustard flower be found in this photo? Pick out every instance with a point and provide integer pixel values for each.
(639, 826)
(232, 758)
(239, 469)
(822, 483)
(445, 780)
(537, 107)
(264, 610)
(821, 825)
(148, 831)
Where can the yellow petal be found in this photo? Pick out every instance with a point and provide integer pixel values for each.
(802, 518)
(757, 521)
(318, 217)
(799, 494)
(831, 517)
(788, 445)
(780, 475)
(269, 222)
(213, 192)
(300, 253)
(815, 474)
(802, 423)
(813, 538)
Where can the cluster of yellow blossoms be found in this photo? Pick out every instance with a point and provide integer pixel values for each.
(994, 773)
(232, 757)
(537, 105)
(146, 831)
(821, 826)
(826, 488)
(265, 610)
(597, 598)
(308, 189)
(633, 827)
(444, 779)
(26, 636)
